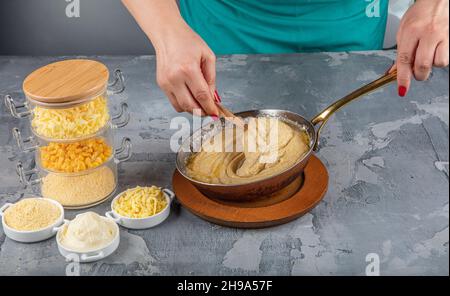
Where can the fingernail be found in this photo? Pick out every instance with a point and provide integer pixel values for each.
(402, 90)
(214, 117)
(217, 97)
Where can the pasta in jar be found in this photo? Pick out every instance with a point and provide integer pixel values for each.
(75, 157)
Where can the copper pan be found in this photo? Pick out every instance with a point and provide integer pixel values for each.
(265, 187)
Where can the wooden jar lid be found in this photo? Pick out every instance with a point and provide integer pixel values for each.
(66, 81)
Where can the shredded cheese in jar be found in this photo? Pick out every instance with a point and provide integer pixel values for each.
(71, 123)
(31, 214)
(140, 202)
(75, 157)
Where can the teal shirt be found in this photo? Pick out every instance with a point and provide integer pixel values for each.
(284, 26)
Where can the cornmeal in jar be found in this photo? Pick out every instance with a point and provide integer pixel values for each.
(75, 157)
(71, 123)
(81, 189)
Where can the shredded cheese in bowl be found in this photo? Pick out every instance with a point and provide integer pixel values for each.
(71, 123)
(140, 202)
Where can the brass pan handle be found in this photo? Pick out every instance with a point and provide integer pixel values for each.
(323, 116)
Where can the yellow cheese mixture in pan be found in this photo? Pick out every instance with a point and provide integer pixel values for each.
(233, 157)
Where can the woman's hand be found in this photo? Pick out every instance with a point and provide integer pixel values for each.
(186, 70)
(186, 66)
(422, 41)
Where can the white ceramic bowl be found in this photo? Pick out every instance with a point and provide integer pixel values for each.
(91, 256)
(35, 235)
(142, 223)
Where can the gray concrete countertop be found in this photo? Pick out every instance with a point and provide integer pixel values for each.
(387, 158)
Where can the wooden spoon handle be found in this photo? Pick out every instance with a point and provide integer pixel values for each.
(230, 116)
(227, 114)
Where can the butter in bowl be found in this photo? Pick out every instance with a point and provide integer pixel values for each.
(141, 207)
(87, 238)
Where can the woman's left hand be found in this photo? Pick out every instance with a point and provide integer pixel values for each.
(422, 41)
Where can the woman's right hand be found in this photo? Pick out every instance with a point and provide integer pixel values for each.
(186, 66)
(186, 70)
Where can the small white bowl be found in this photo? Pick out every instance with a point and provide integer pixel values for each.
(34, 235)
(91, 256)
(142, 223)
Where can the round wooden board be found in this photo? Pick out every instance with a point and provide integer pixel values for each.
(257, 215)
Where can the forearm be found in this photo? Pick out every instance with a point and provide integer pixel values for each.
(157, 18)
(436, 6)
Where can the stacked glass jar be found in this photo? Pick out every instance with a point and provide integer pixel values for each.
(72, 132)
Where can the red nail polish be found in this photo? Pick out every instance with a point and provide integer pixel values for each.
(214, 117)
(402, 90)
(216, 95)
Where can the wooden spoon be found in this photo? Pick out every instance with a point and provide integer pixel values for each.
(227, 114)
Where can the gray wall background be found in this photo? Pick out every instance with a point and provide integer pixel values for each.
(41, 27)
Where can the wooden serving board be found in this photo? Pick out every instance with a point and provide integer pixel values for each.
(275, 210)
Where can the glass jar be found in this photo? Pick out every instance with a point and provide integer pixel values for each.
(78, 190)
(75, 157)
(69, 156)
(68, 100)
(33, 142)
